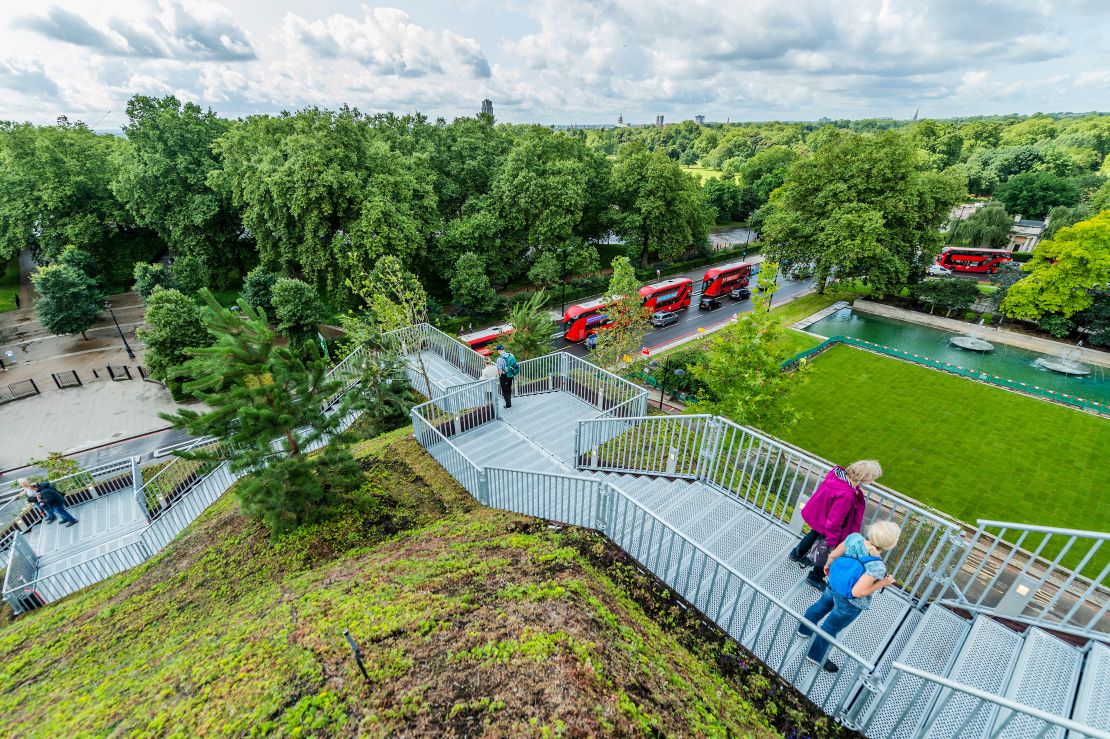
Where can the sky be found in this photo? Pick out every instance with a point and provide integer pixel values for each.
(558, 61)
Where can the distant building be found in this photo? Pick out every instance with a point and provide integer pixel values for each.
(487, 107)
(700, 120)
(1025, 234)
(659, 120)
(620, 121)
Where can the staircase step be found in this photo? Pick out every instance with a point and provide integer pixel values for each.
(1092, 702)
(1044, 677)
(933, 648)
(985, 662)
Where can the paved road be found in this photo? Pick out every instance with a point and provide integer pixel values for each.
(691, 319)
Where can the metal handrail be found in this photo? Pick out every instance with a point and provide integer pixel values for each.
(610, 413)
(137, 543)
(1006, 703)
(1047, 529)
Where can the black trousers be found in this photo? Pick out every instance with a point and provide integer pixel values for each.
(506, 389)
(807, 542)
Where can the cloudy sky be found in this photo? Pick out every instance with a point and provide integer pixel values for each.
(558, 61)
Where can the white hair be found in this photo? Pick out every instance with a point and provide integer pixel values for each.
(884, 534)
(863, 472)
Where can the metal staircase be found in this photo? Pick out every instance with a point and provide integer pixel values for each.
(711, 508)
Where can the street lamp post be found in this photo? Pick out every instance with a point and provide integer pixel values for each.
(663, 386)
(130, 354)
(563, 282)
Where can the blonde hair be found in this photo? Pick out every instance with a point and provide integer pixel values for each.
(863, 472)
(884, 534)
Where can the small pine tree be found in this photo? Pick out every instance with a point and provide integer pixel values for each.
(69, 300)
(265, 406)
(532, 328)
(742, 369)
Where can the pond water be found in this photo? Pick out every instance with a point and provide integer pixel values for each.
(1004, 361)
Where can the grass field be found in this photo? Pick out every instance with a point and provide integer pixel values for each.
(704, 173)
(964, 448)
(9, 285)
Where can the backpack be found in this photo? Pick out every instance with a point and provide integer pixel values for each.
(511, 367)
(845, 572)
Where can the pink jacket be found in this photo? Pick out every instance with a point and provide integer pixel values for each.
(836, 508)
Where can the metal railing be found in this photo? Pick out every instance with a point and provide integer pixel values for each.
(1040, 575)
(22, 569)
(462, 409)
(58, 584)
(559, 371)
(450, 457)
(175, 478)
(766, 474)
(977, 707)
(745, 610)
(424, 337)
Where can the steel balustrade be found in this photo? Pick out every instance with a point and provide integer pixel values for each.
(424, 337)
(1013, 716)
(766, 474)
(559, 371)
(1040, 575)
(22, 569)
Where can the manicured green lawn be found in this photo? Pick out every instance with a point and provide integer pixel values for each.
(704, 173)
(964, 448)
(9, 285)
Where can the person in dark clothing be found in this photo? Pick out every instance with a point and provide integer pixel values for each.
(506, 371)
(53, 501)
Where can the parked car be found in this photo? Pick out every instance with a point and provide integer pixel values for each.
(663, 318)
(935, 270)
(739, 293)
(708, 303)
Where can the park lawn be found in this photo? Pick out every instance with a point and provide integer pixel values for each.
(9, 285)
(967, 449)
(705, 173)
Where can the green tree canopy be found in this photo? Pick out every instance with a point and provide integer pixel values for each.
(987, 227)
(162, 180)
(325, 195)
(470, 286)
(297, 308)
(627, 315)
(173, 325)
(149, 277)
(258, 289)
(1033, 194)
(69, 300)
(741, 372)
(860, 209)
(661, 210)
(1064, 271)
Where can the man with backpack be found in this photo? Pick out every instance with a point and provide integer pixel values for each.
(855, 572)
(506, 371)
(51, 500)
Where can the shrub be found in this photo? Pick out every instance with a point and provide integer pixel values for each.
(1056, 325)
(149, 277)
(970, 315)
(988, 318)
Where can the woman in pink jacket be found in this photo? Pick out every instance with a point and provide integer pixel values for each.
(835, 510)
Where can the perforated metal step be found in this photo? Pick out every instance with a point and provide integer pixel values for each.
(985, 662)
(1045, 677)
(1092, 702)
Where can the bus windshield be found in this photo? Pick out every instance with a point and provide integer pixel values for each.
(705, 284)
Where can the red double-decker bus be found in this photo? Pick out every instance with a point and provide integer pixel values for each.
(968, 259)
(668, 295)
(583, 319)
(484, 340)
(718, 281)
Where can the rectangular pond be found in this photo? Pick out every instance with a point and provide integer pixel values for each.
(1004, 361)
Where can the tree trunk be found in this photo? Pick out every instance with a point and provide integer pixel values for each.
(644, 252)
(294, 447)
(84, 336)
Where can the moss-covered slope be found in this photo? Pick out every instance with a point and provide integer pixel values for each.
(470, 621)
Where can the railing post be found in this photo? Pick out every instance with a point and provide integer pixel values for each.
(868, 688)
(483, 486)
(604, 508)
(945, 573)
(137, 487)
(577, 445)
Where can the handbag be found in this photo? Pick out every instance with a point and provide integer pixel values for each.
(819, 552)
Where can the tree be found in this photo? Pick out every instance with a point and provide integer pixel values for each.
(149, 277)
(470, 286)
(325, 194)
(1095, 320)
(173, 326)
(190, 273)
(742, 370)
(1063, 271)
(298, 309)
(258, 289)
(987, 227)
(162, 180)
(661, 210)
(859, 208)
(397, 300)
(265, 407)
(1008, 274)
(80, 260)
(69, 300)
(730, 201)
(1033, 194)
(628, 318)
(1062, 216)
(532, 328)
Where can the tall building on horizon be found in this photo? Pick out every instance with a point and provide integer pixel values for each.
(487, 107)
(700, 120)
(659, 120)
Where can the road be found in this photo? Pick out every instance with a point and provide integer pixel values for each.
(691, 319)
